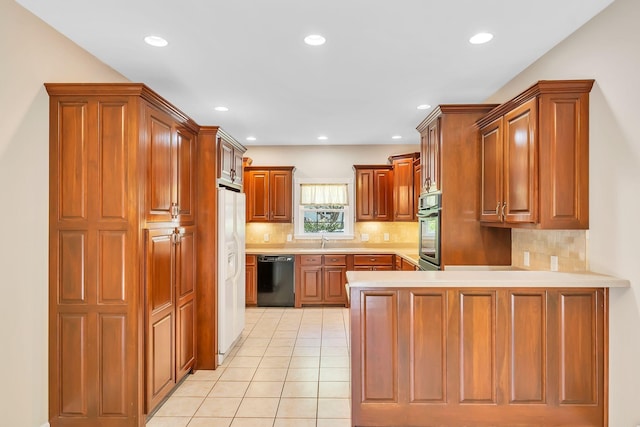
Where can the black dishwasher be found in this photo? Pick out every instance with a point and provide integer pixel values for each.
(275, 281)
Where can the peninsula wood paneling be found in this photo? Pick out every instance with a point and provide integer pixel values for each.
(428, 342)
(527, 347)
(379, 376)
(477, 345)
(482, 357)
(578, 350)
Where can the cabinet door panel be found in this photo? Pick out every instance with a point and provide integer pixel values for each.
(383, 195)
(257, 196)
(491, 198)
(225, 160)
(185, 302)
(520, 167)
(251, 292)
(403, 193)
(433, 174)
(364, 195)
(161, 167)
(280, 196)
(159, 308)
(237, 167)
(335, 279)
(310, 285)
(186, 149)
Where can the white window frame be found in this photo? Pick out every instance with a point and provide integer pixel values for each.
(298, 218)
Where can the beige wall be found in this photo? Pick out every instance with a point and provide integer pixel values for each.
(606, 49)
(327, 161)
(32, 53)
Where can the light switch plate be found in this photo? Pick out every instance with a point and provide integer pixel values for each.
(289, 237)
(386, 237)
(266, 237)
(526, 261)
(554, 263)
(364, 237)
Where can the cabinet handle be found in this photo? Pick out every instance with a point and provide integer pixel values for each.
(504, 207)
(498, 209)
(233, 175)
(373, 260)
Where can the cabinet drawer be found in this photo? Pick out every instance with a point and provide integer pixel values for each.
(373, 260)
(310, 259)
(335, 260)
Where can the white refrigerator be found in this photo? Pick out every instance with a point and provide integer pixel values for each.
(231, 269)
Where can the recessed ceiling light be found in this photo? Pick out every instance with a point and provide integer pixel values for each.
(423, 107)
(396, 137)
(481, 38)
(251, 138)
(221, 108)
(322, 138)
(156, 41)
(315, 40)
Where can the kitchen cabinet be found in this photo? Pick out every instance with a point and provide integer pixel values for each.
(170, 160)
(251, 282)
(170, 309)
(403, 193)
(417, 186)
(321, 279)
(374, 262)
(454, 171)
(430, 155)
(374, 192)
(402, 264)
(269, 193)
(497, 356)
(121, 278)
(230, 152)
(535, 158)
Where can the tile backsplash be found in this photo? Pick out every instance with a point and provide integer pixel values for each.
(570, 246)
(401, 234)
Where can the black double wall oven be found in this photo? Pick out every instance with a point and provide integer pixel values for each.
(429, 220)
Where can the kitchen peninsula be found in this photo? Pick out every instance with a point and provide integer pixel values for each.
(491, 348)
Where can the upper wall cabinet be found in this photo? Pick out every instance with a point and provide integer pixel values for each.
(374, 192)
(430, 141)
(170, 160)
(269, 193)
(230, 154)
(404, 194)
(535, 158)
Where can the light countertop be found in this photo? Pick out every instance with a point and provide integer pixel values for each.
(482, 279)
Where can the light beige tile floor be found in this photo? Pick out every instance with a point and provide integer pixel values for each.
(290, 368)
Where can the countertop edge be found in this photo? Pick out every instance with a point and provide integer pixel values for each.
(482, 279)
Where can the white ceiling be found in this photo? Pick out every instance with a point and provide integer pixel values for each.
(382, 57)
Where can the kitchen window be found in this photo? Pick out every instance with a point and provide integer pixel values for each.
(323, 208)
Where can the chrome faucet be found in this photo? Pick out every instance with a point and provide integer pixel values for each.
(324, 240)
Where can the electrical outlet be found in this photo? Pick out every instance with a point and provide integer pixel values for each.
(364, 237)
(266, 237)
(386, 237)
(554, 263)
(526, 261)
(289, 237)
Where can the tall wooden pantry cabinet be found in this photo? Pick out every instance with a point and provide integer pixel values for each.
(122, 266)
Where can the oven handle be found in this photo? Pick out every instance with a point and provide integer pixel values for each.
(429, 214)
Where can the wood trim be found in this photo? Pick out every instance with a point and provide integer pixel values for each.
(539, 88)
(454, 109)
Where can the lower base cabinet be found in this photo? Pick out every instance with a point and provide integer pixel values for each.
(170, 310)
(251, 282)
(480, 356)
(321, 280)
